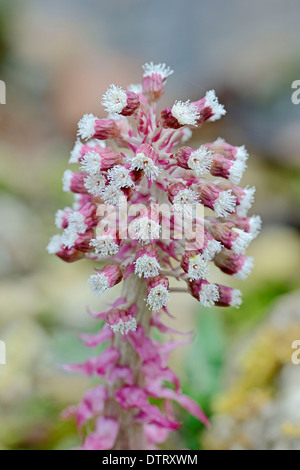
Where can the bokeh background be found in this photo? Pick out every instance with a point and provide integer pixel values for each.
(57, 58)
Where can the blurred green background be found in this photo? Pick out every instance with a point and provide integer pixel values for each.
(57, 58)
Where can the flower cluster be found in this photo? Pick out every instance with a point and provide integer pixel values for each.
(139, 159)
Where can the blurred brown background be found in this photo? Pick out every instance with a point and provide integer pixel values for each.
(57, 58)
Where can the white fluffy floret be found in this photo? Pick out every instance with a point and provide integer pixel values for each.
(213, 102)
(185, 113)
(115, 99)
(147, 266)
(86, 126)
(225, 204)
(124, 326)
(158, 297)
(98, 283)
(209, 294)
(198, 268)
(200, 161)
(160, 69)
(246, 269)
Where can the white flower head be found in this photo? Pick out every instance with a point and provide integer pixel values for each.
(213, 102)
(245, 270)
(147, 266)
(236, 298)
(98, 283)
(124, 326)
(91, 162)
(212, 248)
(61, 215)
(95, 184)
(246, 202)
(146, 229)
(185, 113)
(244, 239)
(198, 268)
(75, 153)
(186, 134)
(160, 69)
(86, 126)
(54, 245)
(115, 99)
(76, 226)
(225, 204)
(67, 180)
(209, 294)
(158, 297)
(111, 194)
(200, 160)
(136, 88)
(242, 153)
(104, 245)
(141, 162)
(120, 177)
(236, 171)
(255, 225)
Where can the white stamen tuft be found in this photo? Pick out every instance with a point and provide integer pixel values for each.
(200, 161)
(91, 163)
(160, 69)
(242, 154)
(113, 195)
(255, 225)
(198, 268)
(124, 326)
(158, 297)
(76, 226)
(66, 180)
(147, 266)
(245, 270)
(95, 184)
(142, 162)
(120, 177)
(135, 88)
(98, 283)
(75, 153)
(86, 126)
(236, 298)
(244, 239)
(213, 102)
(236, 171)
(54, 245)
(115, 99)
(246, 202)
(212, 248)
(185, 113)
(186, 134)
(184, 199)
(209, 294)
(225, 204)
(104, 245)
(146, 229)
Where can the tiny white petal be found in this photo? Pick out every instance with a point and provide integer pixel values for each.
(185, 113)
(147, 266)
(213, 102)
(98, 283)
(225, 204)
(86, 126)
(158, 297)
(200, 161)
(160, 69)
(115, 99)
